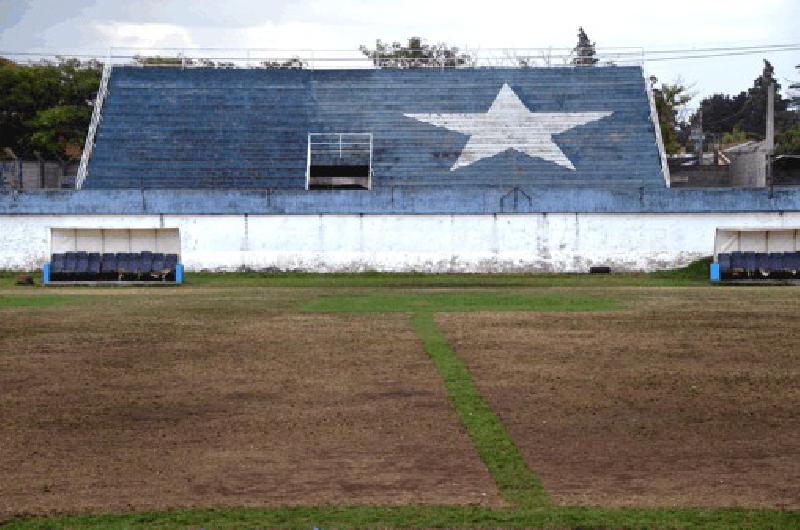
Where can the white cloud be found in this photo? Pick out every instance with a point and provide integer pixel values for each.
(142, 36)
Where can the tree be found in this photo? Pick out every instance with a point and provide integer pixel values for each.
(585, 50)
(754, 116)
(157, 60)
(416, 54)
(670, 99)
(795, 92)
(788, 142)
(747, 111)
(721, 113)
(295, 63)
(179, 60)
(54, 128)
(46, 106)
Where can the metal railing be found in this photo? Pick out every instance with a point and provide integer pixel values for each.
(269, 58)
(662, 152)
(443, 57)
(97, 116)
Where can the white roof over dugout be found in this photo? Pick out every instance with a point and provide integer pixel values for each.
(756, 240)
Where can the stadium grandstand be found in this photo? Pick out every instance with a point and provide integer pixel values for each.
(352, 165)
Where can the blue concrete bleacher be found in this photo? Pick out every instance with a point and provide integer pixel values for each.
(204, 128)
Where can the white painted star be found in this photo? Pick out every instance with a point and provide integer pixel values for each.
(509, 124)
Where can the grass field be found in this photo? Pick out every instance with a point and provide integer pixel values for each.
(298, 400)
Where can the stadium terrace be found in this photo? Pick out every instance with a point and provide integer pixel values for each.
(388, 169)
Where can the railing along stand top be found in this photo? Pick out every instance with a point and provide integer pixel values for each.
(102, 91)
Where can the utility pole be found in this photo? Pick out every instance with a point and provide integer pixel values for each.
(697, 136)
(769, 141)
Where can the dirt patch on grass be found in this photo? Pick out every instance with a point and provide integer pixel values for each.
(689, 398)
(193, 401)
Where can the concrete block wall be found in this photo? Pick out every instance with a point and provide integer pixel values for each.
(749, 166)
(555, 242)
(35, 175)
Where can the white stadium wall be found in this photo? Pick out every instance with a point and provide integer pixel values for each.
(563, 242)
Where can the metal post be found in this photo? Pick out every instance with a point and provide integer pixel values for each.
(770, 180)
(369, 182)
(699, 138)
(769, 142)
(770, 136)
(308, 163)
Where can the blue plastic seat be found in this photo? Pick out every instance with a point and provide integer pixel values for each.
(724, 261)
(775, 261)
(135, 263)
(145, 261)
(57, 263)
(791, 262)
(750, 262)
(109, 263)
(94, 263)
(171, 262)
(157, 265)
(82, 266)
(122, 262)
(70, 263)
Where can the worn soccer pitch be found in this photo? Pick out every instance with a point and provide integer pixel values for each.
(401, 401)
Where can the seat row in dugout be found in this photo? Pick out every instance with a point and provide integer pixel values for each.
(759, 265)
(122, 266)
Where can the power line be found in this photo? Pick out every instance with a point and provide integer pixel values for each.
(726, 48)
(652, 55)
(725, 54)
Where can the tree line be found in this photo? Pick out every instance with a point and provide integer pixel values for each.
(729, 119)
(46, 107)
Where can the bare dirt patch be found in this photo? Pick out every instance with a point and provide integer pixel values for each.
(191, 400)
(691, 397)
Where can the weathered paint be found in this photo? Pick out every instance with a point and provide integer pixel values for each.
(403, 200)
(562, 242)
(509, 124)
(162, 127)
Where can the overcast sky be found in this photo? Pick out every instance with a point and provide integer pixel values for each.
(71, 26)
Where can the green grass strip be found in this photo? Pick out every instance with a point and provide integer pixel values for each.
(459, 301)
(515, 480)
(424, 517)
(38, 300)
(695, 273)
